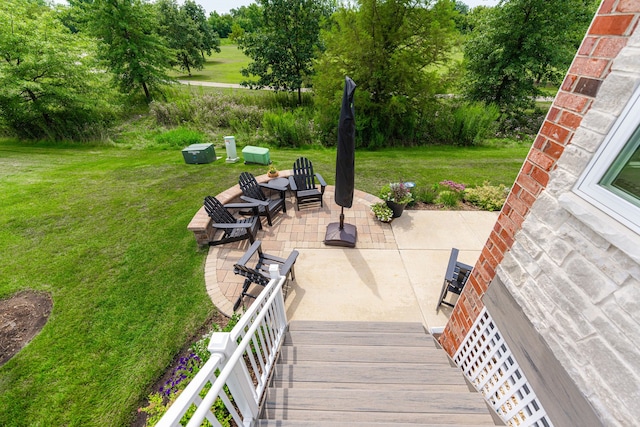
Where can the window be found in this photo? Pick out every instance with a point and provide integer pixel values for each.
(611, 181)
(623, 177)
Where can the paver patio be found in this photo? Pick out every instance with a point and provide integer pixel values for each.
(394, 273)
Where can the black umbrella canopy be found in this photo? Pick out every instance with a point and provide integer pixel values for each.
(339, 233)
(345, 160)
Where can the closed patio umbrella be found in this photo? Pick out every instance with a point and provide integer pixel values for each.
(341, 234)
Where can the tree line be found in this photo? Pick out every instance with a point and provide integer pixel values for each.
(68, 72)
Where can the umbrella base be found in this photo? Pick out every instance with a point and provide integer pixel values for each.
(337, 236)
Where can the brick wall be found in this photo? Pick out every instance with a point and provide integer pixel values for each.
(572, 283)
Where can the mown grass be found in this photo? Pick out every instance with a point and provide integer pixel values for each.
(223, 67)
(103, 229)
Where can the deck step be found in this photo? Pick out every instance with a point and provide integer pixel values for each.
(368, 374)
(362, 353)
(381, 339)
(335, 418)
(354, 326)
(299, 423)
(372, 373)
(396, 401)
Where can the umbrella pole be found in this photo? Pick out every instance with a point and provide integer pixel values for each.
(341, 234)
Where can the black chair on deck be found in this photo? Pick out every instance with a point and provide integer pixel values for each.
(258, 273)
(303, 183)
(252, 193)
(233, 229)
(455, 278)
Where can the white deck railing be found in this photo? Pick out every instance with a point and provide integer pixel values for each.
(242, 359)
(487, 361)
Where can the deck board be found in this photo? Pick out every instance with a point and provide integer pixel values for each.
(368, 374)
(355, 326)
(331, 373)
(345, 418)
(352, 353)
(396, 339)
(394, 401)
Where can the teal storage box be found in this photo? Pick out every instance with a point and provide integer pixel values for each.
(256, 155)
(199, 153)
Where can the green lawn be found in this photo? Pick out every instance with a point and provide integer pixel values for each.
(223, 67)
(103, 229)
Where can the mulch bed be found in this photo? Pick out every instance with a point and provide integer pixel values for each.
(462, 206)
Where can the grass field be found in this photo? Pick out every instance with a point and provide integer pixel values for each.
(223, 67)
(103, 230)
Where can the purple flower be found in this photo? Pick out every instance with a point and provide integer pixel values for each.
(453, 185)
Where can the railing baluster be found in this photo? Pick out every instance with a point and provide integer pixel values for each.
(263, 326)
(487, 362)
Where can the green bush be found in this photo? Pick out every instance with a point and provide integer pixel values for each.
(448, 198)
(487, 197)
(287, 129)
(180, 137)
(472, 122)
(426, 194)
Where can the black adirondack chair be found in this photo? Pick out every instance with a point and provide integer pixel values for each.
(252, 193)
(258, 273)
(233, 229)
(455, 278)
(303, 183)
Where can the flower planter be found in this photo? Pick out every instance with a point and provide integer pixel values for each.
(397, 208)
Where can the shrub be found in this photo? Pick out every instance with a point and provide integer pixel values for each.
(287, 129)
(487, 197)
(180, 137)
(448, 198)
(472, 122)
(426, 195)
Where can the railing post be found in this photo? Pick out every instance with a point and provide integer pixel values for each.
(239, 381)
(274, 272)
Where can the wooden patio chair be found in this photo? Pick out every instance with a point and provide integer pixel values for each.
(455, 278)
(303, 183)
(233, 229)
(252, 192)
(258, 273)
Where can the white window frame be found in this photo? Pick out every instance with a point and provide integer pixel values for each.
(588, 185)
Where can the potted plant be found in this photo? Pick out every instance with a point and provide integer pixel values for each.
(272, 172)
(397, 195)
(382, 211)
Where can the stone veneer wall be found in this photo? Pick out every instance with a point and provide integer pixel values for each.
(574, 271)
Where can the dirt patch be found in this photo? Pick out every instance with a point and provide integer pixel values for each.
(22, 316)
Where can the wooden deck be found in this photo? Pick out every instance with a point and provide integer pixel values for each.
(368, 374)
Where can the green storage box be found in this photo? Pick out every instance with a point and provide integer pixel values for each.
(256, 155)
(199, 153)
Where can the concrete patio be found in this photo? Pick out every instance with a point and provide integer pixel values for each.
(395, 273)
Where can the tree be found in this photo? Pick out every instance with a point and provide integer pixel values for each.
(390, 49)
(49, 87)
(282, 50)
(136, 55)
(187, 32)
(220, 24)
(519, 44)
(209, 40)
